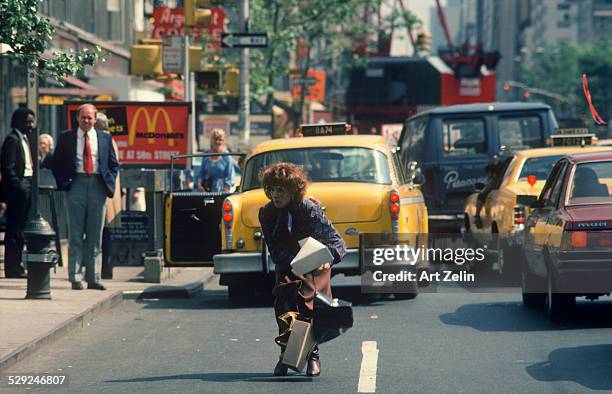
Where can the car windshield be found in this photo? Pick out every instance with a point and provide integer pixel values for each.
(592, 184)
(538, 166)
(520, 132)
(324, 165)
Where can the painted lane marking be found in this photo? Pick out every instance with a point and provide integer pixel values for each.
(369, 364)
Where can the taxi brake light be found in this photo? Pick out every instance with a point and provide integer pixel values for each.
(394, 208)
(227, 206)
(579, 239)
(227, 217)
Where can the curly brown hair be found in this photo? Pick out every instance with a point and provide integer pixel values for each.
(289, 176)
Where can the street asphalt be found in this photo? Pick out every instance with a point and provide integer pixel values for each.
(438, 343)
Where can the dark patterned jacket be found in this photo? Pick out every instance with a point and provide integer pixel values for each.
(307, 220)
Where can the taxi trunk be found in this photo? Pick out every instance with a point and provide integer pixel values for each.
(359, 210)
(358, 203)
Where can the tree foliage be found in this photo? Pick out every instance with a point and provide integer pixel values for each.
(28, 33)
(329, 29)
(559, 68)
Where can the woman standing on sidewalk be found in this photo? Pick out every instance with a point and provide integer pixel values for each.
(287, 218)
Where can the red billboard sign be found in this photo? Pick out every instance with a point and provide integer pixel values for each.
(171, 22)
(146, 133)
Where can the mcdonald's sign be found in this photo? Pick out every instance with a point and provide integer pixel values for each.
(147, 133)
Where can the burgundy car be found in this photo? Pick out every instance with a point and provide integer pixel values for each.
(567, 242)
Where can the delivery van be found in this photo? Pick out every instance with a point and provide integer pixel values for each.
(451, 146)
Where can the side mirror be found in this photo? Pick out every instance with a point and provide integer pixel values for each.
(528, 201)
(418, 178)
(478, 187)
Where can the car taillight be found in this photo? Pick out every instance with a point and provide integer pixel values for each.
(394, 209)
(228, 220)
(579, 239)
(519, 217)
(586, 239)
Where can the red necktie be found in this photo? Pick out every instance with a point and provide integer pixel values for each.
(87, 160)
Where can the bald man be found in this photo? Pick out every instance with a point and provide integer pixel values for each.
(85, 166)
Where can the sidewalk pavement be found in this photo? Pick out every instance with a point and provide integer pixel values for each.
(28, 325)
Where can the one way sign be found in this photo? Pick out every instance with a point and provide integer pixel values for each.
(244, 40)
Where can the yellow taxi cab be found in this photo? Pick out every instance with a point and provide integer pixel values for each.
(502, 218)
(358, 180)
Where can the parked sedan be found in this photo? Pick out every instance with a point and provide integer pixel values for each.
(567, 241)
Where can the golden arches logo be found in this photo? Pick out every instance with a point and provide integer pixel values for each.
(151, 124)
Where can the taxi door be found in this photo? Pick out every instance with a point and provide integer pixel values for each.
(538, 224)
(192, 218)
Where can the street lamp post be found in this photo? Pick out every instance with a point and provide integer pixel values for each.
(38, 233)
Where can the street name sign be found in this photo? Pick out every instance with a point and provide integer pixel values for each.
(173, 58)
(244, 40)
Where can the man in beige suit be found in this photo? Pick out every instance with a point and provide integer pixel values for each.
(113, 210)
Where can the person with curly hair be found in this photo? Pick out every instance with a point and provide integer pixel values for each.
(286, 219)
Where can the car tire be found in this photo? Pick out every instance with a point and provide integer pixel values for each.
(558, 305)
(530, 299)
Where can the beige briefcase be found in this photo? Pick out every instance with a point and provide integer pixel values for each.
(300, 345)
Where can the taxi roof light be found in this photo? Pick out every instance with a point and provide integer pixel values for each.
(320, 129)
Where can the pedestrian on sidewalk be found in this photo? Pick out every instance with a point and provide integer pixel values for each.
(16, 188)
(286, 219)
(217, 172)
(113, 209)
(85, 166)
(45, 150)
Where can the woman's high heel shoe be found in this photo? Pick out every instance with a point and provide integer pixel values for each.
(314, 363)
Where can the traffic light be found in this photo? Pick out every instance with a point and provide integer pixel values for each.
(146, 60)
(232, 81)
(208, 80)
(195, 58)
(194, 15)
(423, 42)
(219, 79)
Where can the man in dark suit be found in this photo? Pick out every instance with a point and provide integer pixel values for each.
(16, 188)
(85, 166)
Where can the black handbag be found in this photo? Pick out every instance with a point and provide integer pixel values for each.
(331, 317)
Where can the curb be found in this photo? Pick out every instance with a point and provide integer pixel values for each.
(80, 321)
(168, 292)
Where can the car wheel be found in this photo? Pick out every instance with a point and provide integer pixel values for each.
(557, 304)
(530, 300)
